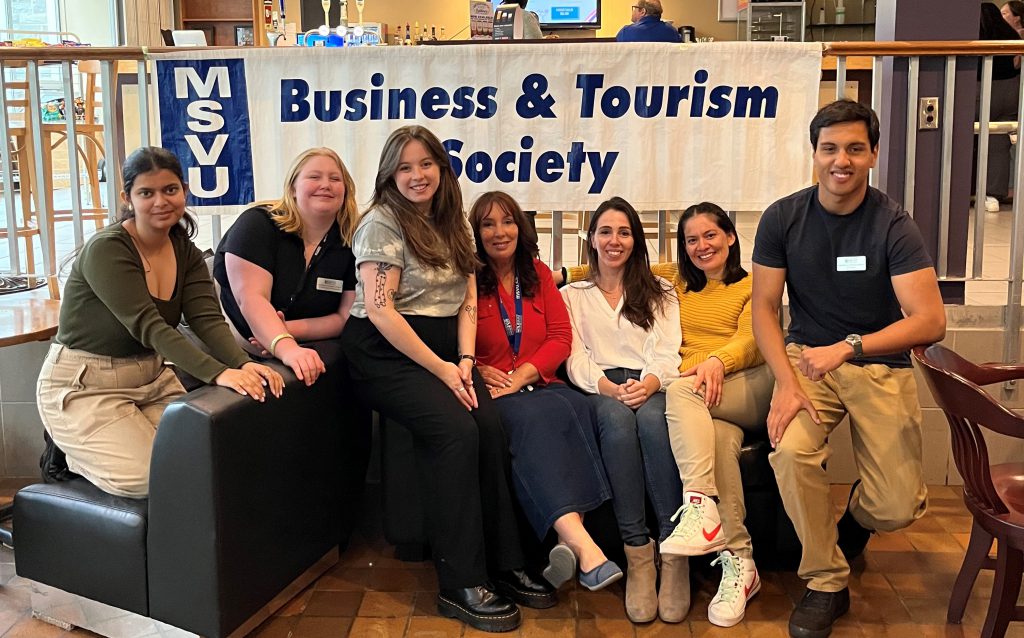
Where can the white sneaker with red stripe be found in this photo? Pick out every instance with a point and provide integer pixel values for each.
(699, 530)
(740, 583)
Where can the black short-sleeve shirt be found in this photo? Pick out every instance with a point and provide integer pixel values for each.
(256, 238)
(828, 298)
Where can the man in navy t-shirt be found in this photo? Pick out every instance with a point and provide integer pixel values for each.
(647, 25)
(862, 292)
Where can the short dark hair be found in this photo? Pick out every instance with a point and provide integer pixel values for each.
(693, 276)
(1016, 8)
(842, 111)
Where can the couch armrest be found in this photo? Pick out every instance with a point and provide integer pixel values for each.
(243, 500)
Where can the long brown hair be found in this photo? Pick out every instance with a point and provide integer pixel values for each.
(643, 293)
(442, 239)
(526, 244)
(285, 211)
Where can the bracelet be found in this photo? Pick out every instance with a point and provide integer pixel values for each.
(273, 344)
(467, 356)
(565, 276)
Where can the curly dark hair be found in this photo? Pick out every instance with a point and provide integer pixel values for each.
(526, 245)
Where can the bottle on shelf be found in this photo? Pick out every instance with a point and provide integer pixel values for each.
(840, 12)
(442, 32)
(416, 33)
(821, 15)
(423, 36)
(433, 33)
(408, 35)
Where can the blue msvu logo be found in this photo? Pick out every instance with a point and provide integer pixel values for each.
(204, 120)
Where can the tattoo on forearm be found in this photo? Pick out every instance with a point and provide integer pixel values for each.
(471, 311)
(380, 294)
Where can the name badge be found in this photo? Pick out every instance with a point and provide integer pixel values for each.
(335, 285)
(851, 264)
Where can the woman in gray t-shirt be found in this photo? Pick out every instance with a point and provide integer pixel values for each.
(410, 345)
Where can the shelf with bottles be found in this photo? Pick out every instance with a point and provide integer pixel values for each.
(764, 21)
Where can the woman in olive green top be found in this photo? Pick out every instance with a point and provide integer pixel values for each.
(104, 385)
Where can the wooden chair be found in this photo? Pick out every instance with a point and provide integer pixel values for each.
(994, 494)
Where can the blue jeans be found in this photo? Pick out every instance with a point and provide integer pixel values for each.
(636, 451)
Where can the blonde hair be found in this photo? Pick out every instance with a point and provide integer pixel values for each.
(285, 211)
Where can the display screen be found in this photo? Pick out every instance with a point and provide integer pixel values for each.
(565, 14)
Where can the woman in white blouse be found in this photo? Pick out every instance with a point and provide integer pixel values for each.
(625, 350)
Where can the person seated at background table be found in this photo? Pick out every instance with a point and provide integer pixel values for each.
(531, 23)
(410, 345)
(647, 25)
(286, 270)
(625, 351)
(725, 389)
(104, 384)
(287, 278)
(522, 338)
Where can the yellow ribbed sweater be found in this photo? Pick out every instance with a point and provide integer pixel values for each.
(715, 321)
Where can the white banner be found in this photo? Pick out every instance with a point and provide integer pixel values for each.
(560, 126)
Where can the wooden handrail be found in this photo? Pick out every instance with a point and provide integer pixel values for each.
(924, 48)
(829, 49)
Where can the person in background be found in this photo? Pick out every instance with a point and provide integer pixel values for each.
(1005, 96)
(531, 24)
(1012, 12)
(857, 304)
(523, 336)
(104, 384)
(625, 351)
(647, 25)
(287, 280)
(410, 344)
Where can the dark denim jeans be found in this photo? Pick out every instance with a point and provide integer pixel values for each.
(636, 451)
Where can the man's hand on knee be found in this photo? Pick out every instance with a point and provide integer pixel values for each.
(787, 401)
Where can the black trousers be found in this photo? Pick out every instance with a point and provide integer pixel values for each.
(462, 456)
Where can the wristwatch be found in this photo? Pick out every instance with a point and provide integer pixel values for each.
(855, 343)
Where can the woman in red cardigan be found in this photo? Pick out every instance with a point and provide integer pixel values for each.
(523, 335)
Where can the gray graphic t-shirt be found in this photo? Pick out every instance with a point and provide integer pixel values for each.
(421, 291)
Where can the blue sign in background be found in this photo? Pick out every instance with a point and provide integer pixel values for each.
(236, 155)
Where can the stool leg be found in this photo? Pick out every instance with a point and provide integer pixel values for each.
(1005, 590)
(977, 551)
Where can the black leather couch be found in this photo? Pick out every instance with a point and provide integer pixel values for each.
(776, 545)
(243, 511)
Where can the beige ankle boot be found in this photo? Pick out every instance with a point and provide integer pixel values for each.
(674, 593)
(641, 577)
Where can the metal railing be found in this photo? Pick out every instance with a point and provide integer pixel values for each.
(113, 73)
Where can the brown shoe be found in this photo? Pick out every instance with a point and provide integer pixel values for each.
(641, 588)
(674, 592)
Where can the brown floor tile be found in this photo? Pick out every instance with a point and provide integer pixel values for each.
(337, 603)
(32, 628)
(957, 523)
(423, 627)
(925, 524)
(322, 627)
(566, 608)
(931, 586)
(769, 607)
(934, 542)
(296, 606)
(889, 542)
(402, 579)
(548, 628)
(944, 492)
(276, 627)
(425, 604)
(768, 629)
(875, 610)
(378, 628)
(386, 604)
(604, 628)
(658, 629)
(607, 603)
(868, 583)
(346, 579)
(704, 629)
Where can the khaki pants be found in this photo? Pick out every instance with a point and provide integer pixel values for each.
(885, 425)
(103, 412)
(706, 442)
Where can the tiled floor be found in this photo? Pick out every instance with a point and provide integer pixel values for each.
(899, 589)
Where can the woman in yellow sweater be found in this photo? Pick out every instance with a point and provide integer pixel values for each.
(725, 389)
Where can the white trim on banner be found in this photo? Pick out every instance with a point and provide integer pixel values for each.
(559, 126)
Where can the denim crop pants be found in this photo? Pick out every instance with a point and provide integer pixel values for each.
(636, 451)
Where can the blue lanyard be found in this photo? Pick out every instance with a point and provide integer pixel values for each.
(515, 335)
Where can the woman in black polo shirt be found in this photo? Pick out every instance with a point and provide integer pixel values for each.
(286, 269)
